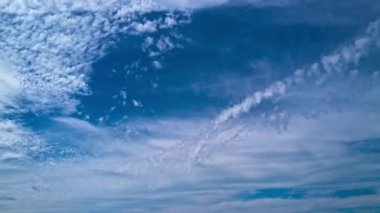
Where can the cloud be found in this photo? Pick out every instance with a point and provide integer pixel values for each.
(26, 7)
(255, 158)
(336, 62)
(190, 4)
(279, 88)
(52, 46)
(147, 27)
(17, 142)
(9, 88)
(295, 205)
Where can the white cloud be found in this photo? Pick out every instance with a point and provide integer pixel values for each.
(336, 62)
(157, 65)
(27, 6)
(51, 46)
(16, 142)
(124, 164)
(11, 133)
(9, 88)
(146, 27)
(279, 88)
(193, 4)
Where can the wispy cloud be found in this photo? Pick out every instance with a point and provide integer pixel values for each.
(9, 88)
(336, 62)
(129, 165)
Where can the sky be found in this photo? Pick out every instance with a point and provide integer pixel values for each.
(189, 106)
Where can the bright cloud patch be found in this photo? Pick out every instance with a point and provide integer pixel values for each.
(9, 88)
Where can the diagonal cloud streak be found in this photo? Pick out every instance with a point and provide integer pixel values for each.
(336, 62)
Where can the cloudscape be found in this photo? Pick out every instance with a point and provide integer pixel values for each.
(189, 106)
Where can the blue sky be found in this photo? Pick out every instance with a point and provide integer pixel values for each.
(189, 106)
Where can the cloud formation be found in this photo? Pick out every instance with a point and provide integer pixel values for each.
(52, 45)
(17, 142)
(255, 160)
(9, 88)
(336, 62)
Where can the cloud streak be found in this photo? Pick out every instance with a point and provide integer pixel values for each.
(336, 62)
